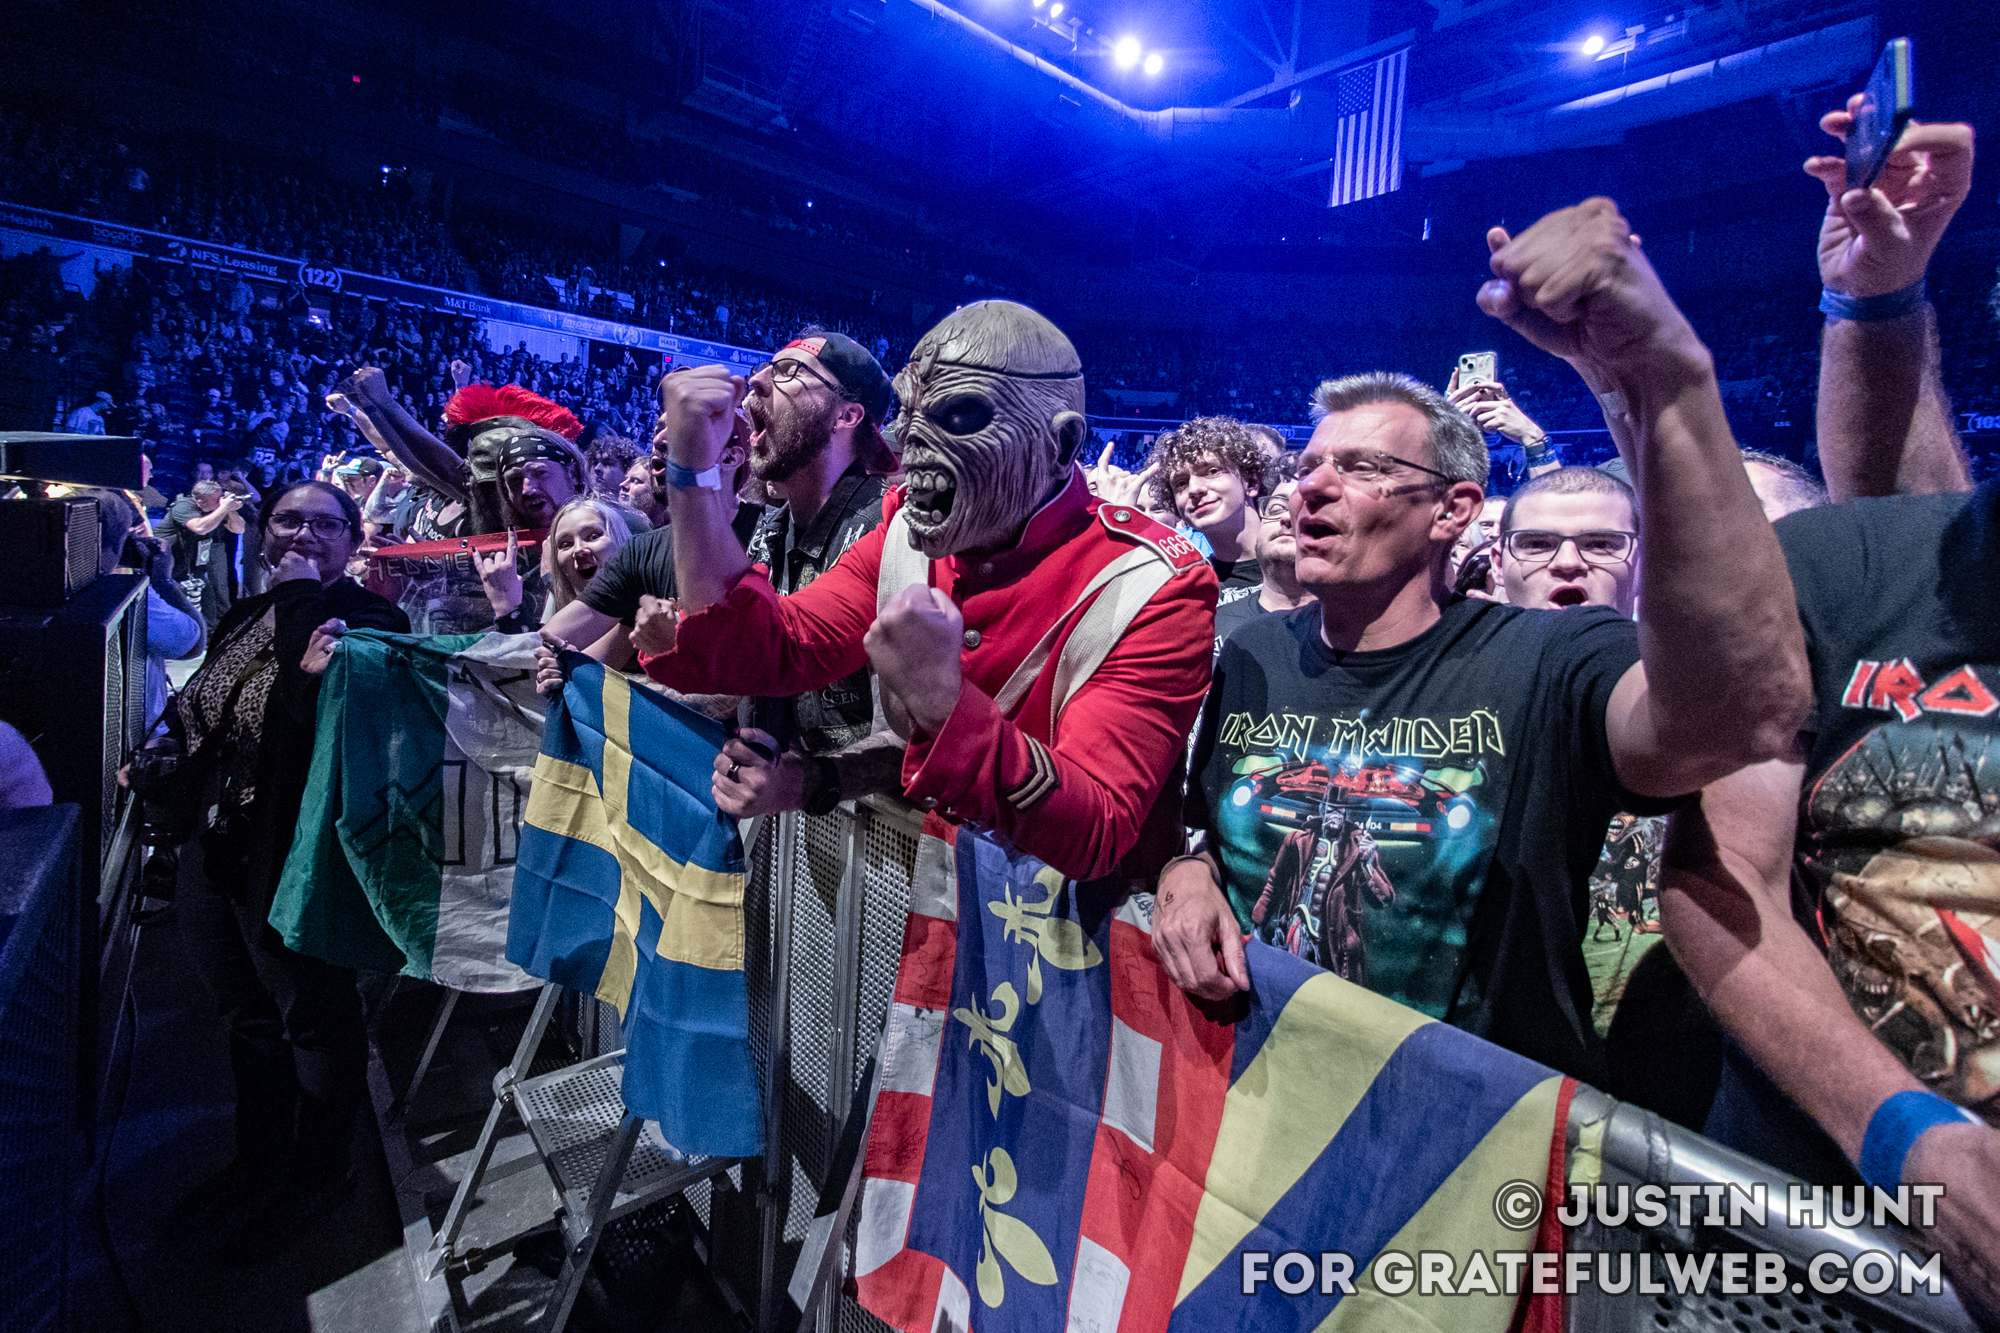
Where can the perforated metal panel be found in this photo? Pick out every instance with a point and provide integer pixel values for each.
(573, 1116)
(889, 859)
(818, 866)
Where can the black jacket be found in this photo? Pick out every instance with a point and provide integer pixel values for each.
(250, 859)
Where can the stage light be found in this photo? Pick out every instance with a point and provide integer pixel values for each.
(1055, 10)
(1126, 53)
(1040, 3)
(1593, 43)
(1155, 63)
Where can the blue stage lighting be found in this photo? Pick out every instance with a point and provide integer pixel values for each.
(1155, 63)
(1126, 53)
(1593, 43)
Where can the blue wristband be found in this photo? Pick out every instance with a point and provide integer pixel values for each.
(1873, 309)
(1894, 1129)
(682, 478)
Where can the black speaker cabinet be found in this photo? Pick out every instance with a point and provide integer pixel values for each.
(49, 548)
(73, 681)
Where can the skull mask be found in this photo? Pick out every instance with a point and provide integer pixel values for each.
(990, 426)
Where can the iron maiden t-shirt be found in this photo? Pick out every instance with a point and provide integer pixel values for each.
(1897, 865)
(1424, 820)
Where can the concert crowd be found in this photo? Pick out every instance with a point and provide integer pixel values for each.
(1481, 753)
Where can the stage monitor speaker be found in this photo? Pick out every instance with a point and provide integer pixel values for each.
(80, 460)
(50, 549)
(73, 681)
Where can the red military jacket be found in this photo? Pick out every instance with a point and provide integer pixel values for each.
(1117, 742)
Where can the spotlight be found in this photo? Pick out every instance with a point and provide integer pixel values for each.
(1055, 10)
(1126, 53)
(1040, 3)
(1155, 63)
(1593, 43)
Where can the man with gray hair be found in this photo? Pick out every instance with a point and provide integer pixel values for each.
(1412, 789)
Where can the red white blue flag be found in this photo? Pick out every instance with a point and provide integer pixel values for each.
(1062, 1139)
(1368, 143)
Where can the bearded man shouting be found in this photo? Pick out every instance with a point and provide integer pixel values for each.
(1043, 655)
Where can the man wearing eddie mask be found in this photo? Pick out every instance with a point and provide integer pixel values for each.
(964, 600)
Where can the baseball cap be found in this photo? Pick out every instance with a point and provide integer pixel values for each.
(854, 366)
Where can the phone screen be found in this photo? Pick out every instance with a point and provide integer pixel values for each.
(1885, 110)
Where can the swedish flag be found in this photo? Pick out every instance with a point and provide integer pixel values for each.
(629, 887)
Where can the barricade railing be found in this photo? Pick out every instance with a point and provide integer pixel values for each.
(825, 905)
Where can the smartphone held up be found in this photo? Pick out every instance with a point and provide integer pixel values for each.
(1886, 105)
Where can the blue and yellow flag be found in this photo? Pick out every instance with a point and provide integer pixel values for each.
(629, 887)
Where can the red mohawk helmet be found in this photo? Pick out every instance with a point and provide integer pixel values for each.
(482, 402)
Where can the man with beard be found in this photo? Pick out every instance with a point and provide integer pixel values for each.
(812, 423)
(815, 411)
(1043, 655)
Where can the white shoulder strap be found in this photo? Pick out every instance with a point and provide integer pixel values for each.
(1102, 626)
(1127, 584)
(903, 566)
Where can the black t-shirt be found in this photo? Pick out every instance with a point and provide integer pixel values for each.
(1424, 819)
(1894, 873)
(1237, 580)
(1232, 616)
(644, 565)
(212, 553)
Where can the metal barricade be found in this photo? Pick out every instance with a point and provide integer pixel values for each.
(1635, 1147)
(826, 901)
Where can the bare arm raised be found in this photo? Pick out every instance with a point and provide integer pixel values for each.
(698, 421)
(1725, 907)
(395, 432)
(1722, 681)
(1884, 421)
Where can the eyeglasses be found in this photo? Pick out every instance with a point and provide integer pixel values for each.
(288, 525)
(1597, 548)
(1365, 467)
(784, 372)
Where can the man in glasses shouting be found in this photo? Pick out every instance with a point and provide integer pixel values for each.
(1571, 538)
(1483, 748)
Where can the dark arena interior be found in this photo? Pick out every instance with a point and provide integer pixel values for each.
(1110, 665)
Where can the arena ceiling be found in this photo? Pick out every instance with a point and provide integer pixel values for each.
(994, 104)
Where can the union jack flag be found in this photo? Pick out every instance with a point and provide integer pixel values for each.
(1368, 150)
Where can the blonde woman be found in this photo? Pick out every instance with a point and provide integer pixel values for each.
(583, 537)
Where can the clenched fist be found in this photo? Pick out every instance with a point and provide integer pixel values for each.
(654, 627)
(914, 646)
(1577, 284)
(697, 414)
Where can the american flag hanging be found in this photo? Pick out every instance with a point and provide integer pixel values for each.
(1368, 152)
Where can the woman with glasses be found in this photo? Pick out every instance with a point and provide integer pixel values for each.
(246, 719)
